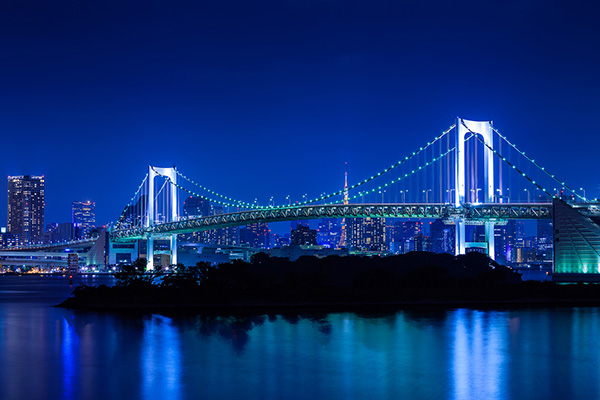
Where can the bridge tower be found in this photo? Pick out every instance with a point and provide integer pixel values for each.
(172, 214)
(464, 129)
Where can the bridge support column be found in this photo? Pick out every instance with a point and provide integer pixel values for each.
(489, 238)
(173, 249)
(466, 195)
(459, 230)
(171, 216)
(150, 254)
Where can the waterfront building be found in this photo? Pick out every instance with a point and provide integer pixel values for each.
(442, 237)
(545, 242)
(405, 232)
(65, 232)
(83, 218)
(505, 242)
(422, 243)
(8, 240)
(366, 234)
(26, 197)
(195, 207)
(303, 235)
(229, 236)
(255, 235)
(329, 232)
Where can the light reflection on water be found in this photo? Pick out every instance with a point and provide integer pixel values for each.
(457, 354)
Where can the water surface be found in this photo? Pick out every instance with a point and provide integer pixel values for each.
(53, 353)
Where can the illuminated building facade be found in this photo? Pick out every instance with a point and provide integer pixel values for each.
(576, 244)
(83, 217)
(442, 237)
(26, 196)
(329, 232)
(256, 235)
(366, 234)
(228, 236)
(404, 236)
(194, 207)
(303, 235)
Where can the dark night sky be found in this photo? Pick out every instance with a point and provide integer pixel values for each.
(271, 98)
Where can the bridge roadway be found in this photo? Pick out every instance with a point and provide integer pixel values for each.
(472, 213)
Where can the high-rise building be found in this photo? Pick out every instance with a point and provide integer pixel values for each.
(366, 234)
(505, 242)
(256, 235)
(8, 240)
(422, 243)
(26, 207)
(545, 239)
(329, 232)
(303, 235)
(194, 207)
(442, 237)
(279, 240)
(228, 236)
(83, 218)
(404, 235)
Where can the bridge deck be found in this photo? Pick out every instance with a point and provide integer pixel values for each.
(470, 212)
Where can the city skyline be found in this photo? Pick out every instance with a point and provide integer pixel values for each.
(239, 95)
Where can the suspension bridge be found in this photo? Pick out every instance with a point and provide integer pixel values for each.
(468, 175)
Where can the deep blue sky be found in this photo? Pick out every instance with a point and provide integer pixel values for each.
(264, 97)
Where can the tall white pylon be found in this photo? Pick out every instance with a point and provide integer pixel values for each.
(464, 130)
(172, 216)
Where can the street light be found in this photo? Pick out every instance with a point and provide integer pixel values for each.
(528, 192)
(475, 195)
(499, 195)
(382, 194)
(449, 191)
(427, 195)
(583, 190)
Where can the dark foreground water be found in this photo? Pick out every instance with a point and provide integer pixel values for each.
(52, 353)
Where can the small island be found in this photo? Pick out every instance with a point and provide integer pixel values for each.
(265, 283)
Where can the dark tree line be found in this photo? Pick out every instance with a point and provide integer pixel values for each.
(416, 276)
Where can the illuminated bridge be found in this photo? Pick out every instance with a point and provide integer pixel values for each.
(472, 213)
(468, 175)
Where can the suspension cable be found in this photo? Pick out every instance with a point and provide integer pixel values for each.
(406, 175)
(324, 197)
(168, 179)
(538, 165)
(124, 212)
(511, 164)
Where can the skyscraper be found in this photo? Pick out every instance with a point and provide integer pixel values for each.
(366, 234)
(26, 207)
(83, 217)
(256, 235)
(194, 207)
(304, 235)
(442, 237)
(329, 232)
